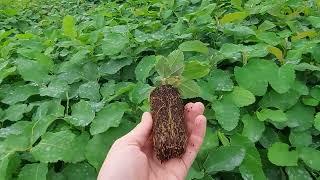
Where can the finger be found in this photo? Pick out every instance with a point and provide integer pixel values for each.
(192, 110)
(195, 140)
(141, 132)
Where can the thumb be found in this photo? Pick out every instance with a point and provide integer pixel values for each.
(142, 131)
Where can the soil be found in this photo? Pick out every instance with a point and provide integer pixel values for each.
(169, 128)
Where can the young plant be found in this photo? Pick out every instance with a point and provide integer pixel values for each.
(167, 108)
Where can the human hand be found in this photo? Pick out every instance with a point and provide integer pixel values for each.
(131, 157)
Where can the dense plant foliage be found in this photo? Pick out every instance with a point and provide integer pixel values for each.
(76, 75)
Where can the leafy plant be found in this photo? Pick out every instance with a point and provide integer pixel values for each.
(76, 75)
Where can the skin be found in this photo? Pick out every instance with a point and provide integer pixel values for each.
(131, 156)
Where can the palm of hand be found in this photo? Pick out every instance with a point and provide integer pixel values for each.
(132, 157)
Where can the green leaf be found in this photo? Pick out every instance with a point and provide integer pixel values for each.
(99, 145)
(195, 70)
(300, 139)
(298, 173)
(242, 97)
(189, 89)
(56, 88)
(251, 167)
(176, 63)
(113, 66)
(227, 114)
(317, 121)
(253, 128)
(15, 129)
(210, 141)
(274, 115)
(53, 146)
(225, 158)
(113, 43)
(82, 114)
(144, 67)
(195, 45)
(80, 171)
(34, 171)
(194, 174)
(90, 90)
(68, 26)
(280, 101)
(282, 80)
(315, 21)
(269, 38)
(280, 155)
(311, 157)
(15, 112)
(231, 17)
(139, 93)
(109, 116)
(220, 81)
(77, 152)
(300, 117)
(315, 92)
(20, 93)
(254, 76)
(32, 71)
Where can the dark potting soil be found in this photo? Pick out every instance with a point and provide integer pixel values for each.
(169, 128)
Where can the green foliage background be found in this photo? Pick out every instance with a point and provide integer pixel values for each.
(76, 75)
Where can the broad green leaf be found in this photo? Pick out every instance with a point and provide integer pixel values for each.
(113, 43)
(210, 141)
(56, 88)
(298, 173)
(300, 117)
(317, 121)
(306, 66)
(227, 114)
(113, 66)
(15, 112)
(231, 51)
(225, 158)
(282, 80)
(81, 114)
(20, 93)
(254, 76)
(253, 128)
(34, 171)
(53, 146)
(311, 157)
(315, 21)
(195, 70)
(274, 115)
(68, 26)
(109, 116)
(108, 89)
(280, 155)
(281, 101)
(269, 38)
(80, 171)
(140, 92)
(176, 63)
(315, 92)
(15, 129)
(77, 151)
(220, 81)
(300, 139)
(9, 166)
(236, 16)
(90, 90)
(309, 101)
(99, 145)
(39, 127)
(300, 35)
(162, 66)
(5, 72)
(195, 45)
(251, 167)
(242, 97)
(223, 139)
(266, 25)
(189, 89)
(144, 67)
(32, 71)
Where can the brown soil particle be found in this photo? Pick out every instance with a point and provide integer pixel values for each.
(169, 128)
